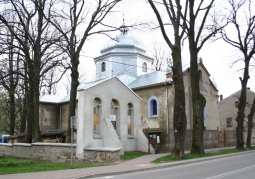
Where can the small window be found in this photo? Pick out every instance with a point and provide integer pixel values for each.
(153, 107)
(204, 113)
(200, 74)
(144, 67)
(229, 122)
(236, 104)
(103, 67)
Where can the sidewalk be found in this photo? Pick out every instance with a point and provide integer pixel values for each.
(138, 164)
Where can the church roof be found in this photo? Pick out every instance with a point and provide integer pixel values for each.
(150, 79)
(122, 41)
(51, 98)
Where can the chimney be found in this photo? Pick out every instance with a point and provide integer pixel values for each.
(221, 97)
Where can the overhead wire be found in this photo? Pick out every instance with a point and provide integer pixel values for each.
(147, 68)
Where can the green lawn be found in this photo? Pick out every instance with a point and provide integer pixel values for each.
(170, 158)
(10, 165)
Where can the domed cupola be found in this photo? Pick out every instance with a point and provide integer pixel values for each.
(123, 42)
(125, 55)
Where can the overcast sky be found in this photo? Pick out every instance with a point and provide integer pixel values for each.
(217, 56)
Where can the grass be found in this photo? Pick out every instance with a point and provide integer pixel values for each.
(132, 155)
(11, 165)
(171, 158)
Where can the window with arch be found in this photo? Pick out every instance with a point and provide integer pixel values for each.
(115, 115)
(153, 107)
(97, 106)
(144, 67)
(103, 67)
(130, 118)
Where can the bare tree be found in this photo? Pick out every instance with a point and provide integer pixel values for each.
(242, 23)
(161, 58)
(173, 9)
(88, 16)
(9, 76)
(51, 79)
(38, 49)
(200, 29)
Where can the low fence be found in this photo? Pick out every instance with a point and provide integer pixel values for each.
(212, 139)
(56, 152)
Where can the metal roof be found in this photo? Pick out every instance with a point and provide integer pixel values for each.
(88, 85)
(94, 83)
(52, 98)
(150, 79)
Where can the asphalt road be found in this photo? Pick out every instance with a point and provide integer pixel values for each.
(235, 167)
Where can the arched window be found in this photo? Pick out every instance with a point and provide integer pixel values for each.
(103, 67)
(97, 106)
(115, 115)
(144, 67)
(130, 118)
(153, 107)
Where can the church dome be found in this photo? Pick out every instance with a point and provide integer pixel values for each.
(123, 41)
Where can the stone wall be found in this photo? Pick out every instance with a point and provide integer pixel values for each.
(43, 151)
(160, 93)
(49, 116)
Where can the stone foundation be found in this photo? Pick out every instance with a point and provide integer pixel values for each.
(102, 154)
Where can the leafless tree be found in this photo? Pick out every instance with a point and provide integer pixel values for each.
(37, 44)
(173, 12)
(77, 20)
(242, 25)
(51, 79)
(161, 58)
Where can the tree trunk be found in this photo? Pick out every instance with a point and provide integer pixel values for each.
(30, 115)
(23, 111)
(198, 104)
(198, 100)
(12, 111)
(250, 125)
(241, 107)
(180, 121)
(24, 107)
(36, 127)
(73, 93)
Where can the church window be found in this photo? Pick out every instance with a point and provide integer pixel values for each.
(115, 115)
(103, 67)
(153, 107)
(97, 108)
(130, 119)
(144, 67)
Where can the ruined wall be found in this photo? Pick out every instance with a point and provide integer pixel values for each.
(211, 120)
(65, 114)
(49, 116)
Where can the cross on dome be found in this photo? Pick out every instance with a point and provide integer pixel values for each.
(123, 27)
